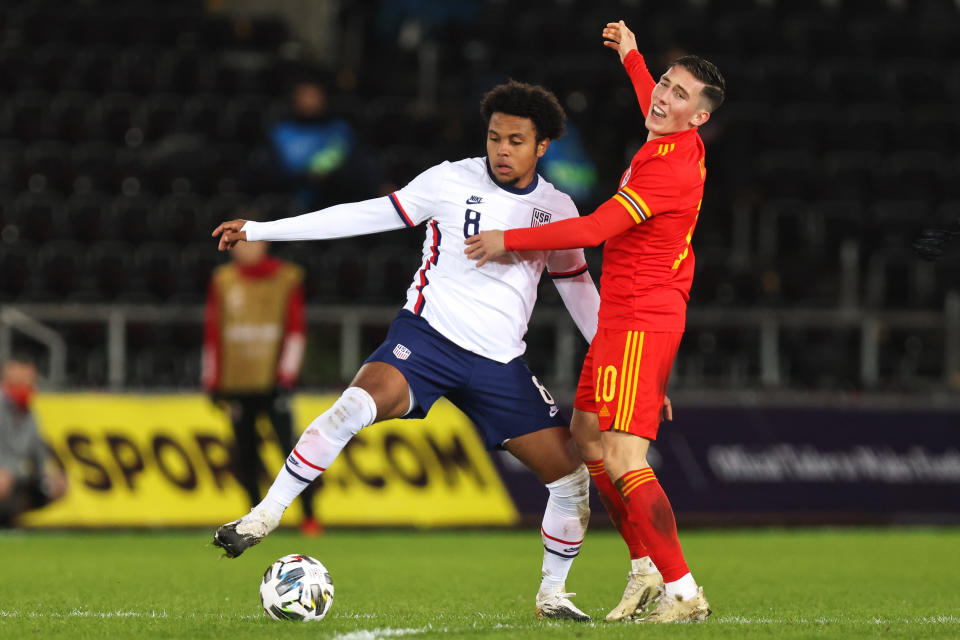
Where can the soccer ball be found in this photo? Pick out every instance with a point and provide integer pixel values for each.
(296, 587)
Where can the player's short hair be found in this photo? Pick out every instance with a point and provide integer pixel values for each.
(526, 101)
(715, 87)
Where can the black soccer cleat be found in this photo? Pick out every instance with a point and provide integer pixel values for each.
(238, 536)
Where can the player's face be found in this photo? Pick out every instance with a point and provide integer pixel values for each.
(675, 104)
(513, 149)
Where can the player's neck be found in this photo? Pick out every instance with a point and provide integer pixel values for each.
(654, 136)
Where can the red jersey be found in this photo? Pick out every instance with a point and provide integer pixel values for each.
(648, 225)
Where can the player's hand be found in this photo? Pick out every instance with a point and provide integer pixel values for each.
(6, 484)
(231, 234)
(485, 246)
(667, 411)
(55, 485)
(617, 36)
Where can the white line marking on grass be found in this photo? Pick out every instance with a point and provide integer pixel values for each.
(104, 615)
(83, 613)
(386, 632)
(875, 620)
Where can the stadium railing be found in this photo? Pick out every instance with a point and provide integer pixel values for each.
(765, 328)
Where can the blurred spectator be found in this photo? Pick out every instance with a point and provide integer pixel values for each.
(568, 166)
(319, 155)
(254, 339)
(26, 482)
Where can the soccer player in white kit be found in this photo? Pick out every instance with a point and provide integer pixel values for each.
(460, 334)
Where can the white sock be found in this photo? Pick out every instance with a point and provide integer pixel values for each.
(685, 588)
(564, 524)
(643, 566)
(319, 446)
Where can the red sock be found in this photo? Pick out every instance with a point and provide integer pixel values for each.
(652, 514)
(613, 502)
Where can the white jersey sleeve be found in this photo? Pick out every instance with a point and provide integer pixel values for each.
(358, 218)
(568, 269)
(417, 201)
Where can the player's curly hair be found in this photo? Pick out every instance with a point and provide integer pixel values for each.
(706, 72)
(526, 101)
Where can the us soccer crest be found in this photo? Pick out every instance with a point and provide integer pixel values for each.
(540, 218)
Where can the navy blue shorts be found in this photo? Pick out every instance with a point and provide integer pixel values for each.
(504, 400)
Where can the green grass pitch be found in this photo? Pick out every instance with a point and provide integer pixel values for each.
(814, 583)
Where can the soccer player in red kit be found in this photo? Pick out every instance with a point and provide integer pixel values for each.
(647, 273)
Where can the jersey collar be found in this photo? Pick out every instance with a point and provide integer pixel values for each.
(520, 192)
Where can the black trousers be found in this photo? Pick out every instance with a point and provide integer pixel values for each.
(244, 409)
(28, 494)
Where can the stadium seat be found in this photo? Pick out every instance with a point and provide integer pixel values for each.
(177, 219)
(202, 113)
(113, 117)
(896, 279)
(46, 166)
(110, 266)
(94, 68)
(35, 216)
(92, 167)
(128, 217)
(196, 264)
(24, 116)
(50, 65)
(158, 116)
(84, 217)
(60, 268)
(11, 160)
(18, 264)
(156, 263)
(243, 120)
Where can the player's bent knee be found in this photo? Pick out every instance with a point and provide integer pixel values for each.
(572, 491)
(387, 386)
(353, 410)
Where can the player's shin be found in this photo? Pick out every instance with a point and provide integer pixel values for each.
(650, 509)
(617, 511)
(319, 446)
(564, 524)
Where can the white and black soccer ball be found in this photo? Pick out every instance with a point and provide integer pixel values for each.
(296, 587)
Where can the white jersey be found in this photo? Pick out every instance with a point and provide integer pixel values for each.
(484, 310)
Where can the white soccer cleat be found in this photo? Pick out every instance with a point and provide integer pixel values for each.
(238, 536)
(696, 609)
(557, 606)
(642, 591)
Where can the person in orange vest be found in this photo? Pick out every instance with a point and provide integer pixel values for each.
(254, 339)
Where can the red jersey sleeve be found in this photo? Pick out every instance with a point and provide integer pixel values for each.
(586, 231)
(210, 365)
(294, 340)
(643, 82)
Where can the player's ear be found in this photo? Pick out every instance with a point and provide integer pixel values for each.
(700, 118)
(542, 147)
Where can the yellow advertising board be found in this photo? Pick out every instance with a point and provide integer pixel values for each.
(164, 460)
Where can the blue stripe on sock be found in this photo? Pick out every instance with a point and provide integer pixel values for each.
(297, 476)
(562, 555)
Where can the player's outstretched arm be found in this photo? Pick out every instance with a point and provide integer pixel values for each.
(608, 220)
(617, 36)
(339, 221)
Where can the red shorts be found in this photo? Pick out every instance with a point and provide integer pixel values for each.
(624, 379)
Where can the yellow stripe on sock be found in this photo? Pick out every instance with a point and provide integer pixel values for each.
(634, 479)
